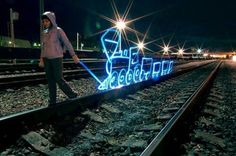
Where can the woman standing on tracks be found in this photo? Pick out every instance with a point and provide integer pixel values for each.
(54, 40)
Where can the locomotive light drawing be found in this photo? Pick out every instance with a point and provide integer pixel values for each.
(124, 67)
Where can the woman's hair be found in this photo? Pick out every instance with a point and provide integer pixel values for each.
(45, 17)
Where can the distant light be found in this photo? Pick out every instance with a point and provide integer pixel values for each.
(9, 42)
(199, 50)
(166, 49)
(205, 55)
(81, 46)
(181, 51)
(234, 58)
(98, 25)
(35, 44)
(141, 45)
(120, 25)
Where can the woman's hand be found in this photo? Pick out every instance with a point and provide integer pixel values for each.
(41, 63)
(76, 59)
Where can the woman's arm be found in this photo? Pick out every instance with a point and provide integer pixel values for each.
(68, 45)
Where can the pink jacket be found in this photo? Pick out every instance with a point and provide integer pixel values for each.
(54, 40)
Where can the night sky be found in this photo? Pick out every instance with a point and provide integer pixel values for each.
(203, 23)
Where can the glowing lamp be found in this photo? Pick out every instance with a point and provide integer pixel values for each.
(234, 58)
(199, 50)
(166, 49)
(205, 55)
(141, 45)
(120, 25)
(181, 51)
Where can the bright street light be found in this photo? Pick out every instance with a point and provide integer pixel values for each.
(199, 50)
(141, 45)
(181, 51)
(166, 49)
(234, 58)
(120, 25)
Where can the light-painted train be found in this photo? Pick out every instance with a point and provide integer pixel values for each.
(124, 67)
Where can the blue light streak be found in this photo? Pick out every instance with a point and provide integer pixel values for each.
(90, 71)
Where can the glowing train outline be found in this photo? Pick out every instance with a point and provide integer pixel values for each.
(138, 69)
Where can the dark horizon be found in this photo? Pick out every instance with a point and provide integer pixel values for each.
(199, 23)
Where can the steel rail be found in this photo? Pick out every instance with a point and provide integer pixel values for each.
(162, 143)
(34, 66)
(33, 79)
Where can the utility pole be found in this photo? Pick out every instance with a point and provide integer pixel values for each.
(13, 16)
(12, 28)
(41, 11)
(77, 41)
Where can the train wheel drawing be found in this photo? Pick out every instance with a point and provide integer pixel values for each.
(114, 80)
(129, 77)
(121, 78)
(136, 73)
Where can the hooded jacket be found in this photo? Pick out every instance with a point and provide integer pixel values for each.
(54, 40)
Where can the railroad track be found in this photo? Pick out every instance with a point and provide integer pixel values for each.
(172, 131)
(116, 109)
(37, 78)
(20, 68)
(213, 131)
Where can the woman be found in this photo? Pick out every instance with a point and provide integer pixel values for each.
(54, 40)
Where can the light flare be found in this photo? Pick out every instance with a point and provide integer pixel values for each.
(120, 25)
(234, 58)
(140, 45)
